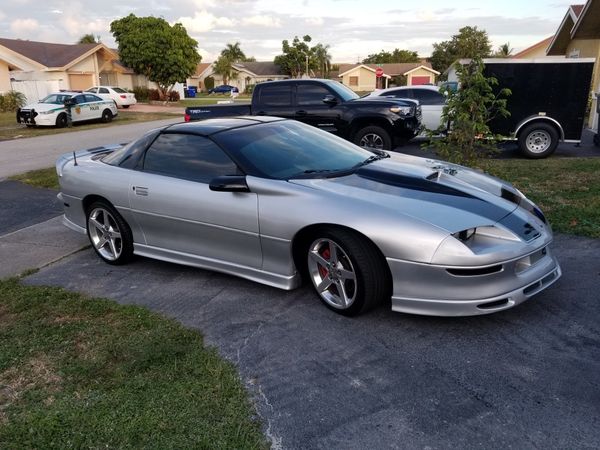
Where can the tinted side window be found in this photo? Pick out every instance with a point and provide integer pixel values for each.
(311, 94)
(188, 157)
(427, 97)
(79, 99)
(400, 93)
(103, 91)
(92, 98)
(276, 95)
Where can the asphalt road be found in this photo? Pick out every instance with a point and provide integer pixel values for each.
(524, 378)
(22, 205)
(20, 155)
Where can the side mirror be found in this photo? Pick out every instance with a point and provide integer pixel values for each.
(330, 100)
(229, 183)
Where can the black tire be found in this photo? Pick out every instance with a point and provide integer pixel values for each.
(126, 106)
(115, 222)
(538, 140)
(107, 116)
(61, 120)
(371, 284)
(379, 136)
(597, 139)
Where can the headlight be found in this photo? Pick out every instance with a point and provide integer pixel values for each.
(402, 110)
(44, 112)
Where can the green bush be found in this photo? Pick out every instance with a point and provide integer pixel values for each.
(11, 101)
(250, 88)
(209, 83)
(142, 93)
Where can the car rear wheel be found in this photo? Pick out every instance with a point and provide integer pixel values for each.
(346, 271)
(126, 106)
(373, 137)
(109, 234)
(538, 140)
(107, 116)
(61, 120)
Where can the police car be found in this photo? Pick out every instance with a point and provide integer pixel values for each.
(52, 110)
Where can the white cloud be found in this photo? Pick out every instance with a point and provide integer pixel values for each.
(262, 20)
(204, 21)
(24, 25)
(56, 11)
(314, 21)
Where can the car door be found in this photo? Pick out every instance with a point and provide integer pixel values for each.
(311, 109)
(432, 105)
(104, 94)
(95, 106)
(275, 100)
(177, 212)
(80, 111)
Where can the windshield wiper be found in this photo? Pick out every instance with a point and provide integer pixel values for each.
(379, 154)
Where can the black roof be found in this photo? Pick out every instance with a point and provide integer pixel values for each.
(211, 126)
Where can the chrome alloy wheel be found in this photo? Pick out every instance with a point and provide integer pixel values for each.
(372, 140)
(332, 273)
(105, 234)
(538, 141)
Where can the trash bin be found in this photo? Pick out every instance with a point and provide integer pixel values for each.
(192, 91)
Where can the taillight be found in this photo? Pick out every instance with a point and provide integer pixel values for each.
(123, 96)
(187, 117)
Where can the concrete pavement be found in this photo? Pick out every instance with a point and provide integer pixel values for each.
(20, 155)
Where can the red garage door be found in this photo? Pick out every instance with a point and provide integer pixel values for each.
(420, 80)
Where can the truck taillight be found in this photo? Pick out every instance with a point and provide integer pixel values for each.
(187, 117)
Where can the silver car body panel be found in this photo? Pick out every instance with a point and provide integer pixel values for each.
(250, 234)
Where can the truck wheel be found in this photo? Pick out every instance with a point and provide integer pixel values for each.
(538, 140)
(61, 120)
(373, 137)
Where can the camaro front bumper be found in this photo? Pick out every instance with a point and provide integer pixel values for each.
(438, 291)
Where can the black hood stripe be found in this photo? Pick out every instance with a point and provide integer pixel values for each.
(431, 191)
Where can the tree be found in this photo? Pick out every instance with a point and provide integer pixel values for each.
(396, 56)
(223, 66)
(469, 110)
(150, 46)
(89, 39)
(504, 51)
(299, 58)
(470, 42)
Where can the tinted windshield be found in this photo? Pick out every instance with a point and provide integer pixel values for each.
(56, 99)
(343, 91)
(289, 149)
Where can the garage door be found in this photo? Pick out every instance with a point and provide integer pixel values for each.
(420, 80)
(81, 82)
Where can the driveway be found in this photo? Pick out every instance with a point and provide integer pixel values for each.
(523, 378)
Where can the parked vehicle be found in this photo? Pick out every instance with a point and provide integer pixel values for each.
(328, 105)
(120, 96)
(272, 200)
(430, 98)
(51, 111)
(222, 89)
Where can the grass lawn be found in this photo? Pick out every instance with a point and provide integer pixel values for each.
(567, 189)
(10, 129)
(77, 372)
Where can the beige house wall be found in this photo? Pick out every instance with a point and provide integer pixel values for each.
(4, 77)
(537, 52)
(367, 80)
(420, 73)
(589, 48)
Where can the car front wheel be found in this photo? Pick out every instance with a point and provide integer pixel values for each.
(109, 234)
(373, 137)
(61, 120)
(346, 271)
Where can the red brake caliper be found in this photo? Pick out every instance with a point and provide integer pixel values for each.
(326, 255)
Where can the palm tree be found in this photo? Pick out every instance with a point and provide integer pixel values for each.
(224, 67)
(322, 58)
(89, 39)
(504, 51)
(233, 53)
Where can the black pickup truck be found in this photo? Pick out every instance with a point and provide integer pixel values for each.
(369, 121)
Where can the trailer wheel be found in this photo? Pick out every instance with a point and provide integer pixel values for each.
(538, 140)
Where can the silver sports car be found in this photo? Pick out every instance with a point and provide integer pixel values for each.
(276, 201)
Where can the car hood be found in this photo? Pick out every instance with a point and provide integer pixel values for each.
(384, 101)
(44, 107)
(447, 196)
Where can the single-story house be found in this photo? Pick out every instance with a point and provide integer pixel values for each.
(246, 74)
(578, 36)
(537, 50)
(362, 77)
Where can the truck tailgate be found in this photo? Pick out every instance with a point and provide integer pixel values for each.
(212, 111)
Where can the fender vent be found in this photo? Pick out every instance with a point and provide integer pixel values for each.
(475, 272)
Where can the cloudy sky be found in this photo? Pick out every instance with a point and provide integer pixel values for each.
(353, 28)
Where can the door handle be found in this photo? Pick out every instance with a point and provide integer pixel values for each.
(301, 113)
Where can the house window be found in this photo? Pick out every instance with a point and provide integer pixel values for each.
(353, 81)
